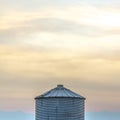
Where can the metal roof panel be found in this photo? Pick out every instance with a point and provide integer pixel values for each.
(60, 91)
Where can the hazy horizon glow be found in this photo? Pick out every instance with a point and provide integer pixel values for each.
(45, 43)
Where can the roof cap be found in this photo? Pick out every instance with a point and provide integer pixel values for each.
(59, 85)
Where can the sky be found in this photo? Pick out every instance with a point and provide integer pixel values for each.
(48, 42)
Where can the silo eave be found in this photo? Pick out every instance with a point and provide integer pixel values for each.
(40, 97)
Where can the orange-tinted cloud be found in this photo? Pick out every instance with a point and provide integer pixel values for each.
(24, 74)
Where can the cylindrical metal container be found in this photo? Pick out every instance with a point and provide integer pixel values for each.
(60, 104)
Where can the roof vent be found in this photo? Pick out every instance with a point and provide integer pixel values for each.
(60, 86)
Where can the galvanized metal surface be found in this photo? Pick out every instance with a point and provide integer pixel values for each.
(60, 91)
(60, 106)
(59, 109)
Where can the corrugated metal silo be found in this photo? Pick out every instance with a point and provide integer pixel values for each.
(60, 103)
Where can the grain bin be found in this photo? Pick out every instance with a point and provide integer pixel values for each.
(60, 103)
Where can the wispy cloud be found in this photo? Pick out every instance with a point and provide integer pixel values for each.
(49, 42)
(72, 23)
(40, 68)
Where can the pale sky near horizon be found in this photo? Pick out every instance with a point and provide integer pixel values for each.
(48, 42)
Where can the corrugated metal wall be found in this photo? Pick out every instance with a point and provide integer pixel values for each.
(60, 109)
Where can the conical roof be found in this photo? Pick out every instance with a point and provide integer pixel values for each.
(58, 92)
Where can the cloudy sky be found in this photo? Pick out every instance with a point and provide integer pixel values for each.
(48, 42)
